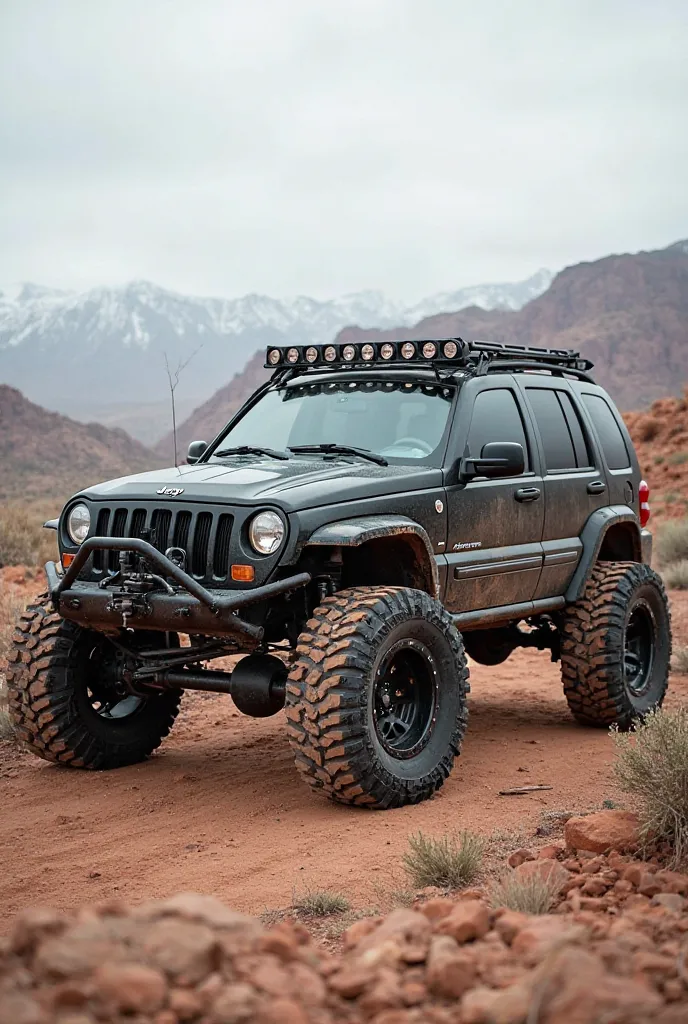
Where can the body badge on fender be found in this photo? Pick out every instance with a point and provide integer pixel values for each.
(171, 492)
(439, 506)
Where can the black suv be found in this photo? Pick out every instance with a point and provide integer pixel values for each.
(371, 515)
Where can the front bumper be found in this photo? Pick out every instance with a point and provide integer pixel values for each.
(188, 608)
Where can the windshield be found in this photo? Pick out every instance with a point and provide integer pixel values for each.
(395, 419)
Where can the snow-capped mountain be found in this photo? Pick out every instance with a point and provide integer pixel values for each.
(107, 345)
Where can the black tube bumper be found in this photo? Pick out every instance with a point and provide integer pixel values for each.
(191, 609)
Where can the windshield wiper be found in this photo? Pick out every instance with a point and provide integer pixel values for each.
(338, 449)
(250, 449)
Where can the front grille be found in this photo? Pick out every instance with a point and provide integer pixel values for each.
(205, 536)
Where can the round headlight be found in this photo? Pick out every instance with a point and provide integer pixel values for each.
(274, 356)
(266, 532)
(367, 353)
(387, 351)
(78, 524)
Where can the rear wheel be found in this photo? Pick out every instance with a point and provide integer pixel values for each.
(616, 646)
(67, 701)
(376, 702)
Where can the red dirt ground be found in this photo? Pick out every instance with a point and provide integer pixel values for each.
(220, 809)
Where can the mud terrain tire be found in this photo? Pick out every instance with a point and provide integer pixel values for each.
(376, 702)
(54, 664)
(616, 646)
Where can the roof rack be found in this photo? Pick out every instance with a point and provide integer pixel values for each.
(452, 354)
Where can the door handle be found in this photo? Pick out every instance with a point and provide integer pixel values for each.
(596, 487)
(527, 494)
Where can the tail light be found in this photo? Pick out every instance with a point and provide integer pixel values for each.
(644, 498)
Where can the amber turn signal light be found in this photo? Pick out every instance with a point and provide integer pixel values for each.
(67, 560)
(243, 573)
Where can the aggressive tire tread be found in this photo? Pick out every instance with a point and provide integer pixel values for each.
(592, 645)
(327, 696)
(41, 686)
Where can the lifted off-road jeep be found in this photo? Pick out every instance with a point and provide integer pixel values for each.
(371, 515)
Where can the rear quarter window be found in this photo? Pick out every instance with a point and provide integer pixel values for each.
(608, 431)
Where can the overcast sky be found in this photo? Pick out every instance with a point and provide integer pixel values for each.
(324, 146)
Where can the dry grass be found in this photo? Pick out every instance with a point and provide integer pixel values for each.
(321, 903)
(531, 895)
(23, 541)
(679, 660)
(652, 766)
(672, 540)
(676, 575)
(448, 862)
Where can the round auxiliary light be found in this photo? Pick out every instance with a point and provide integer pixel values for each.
(450, 349)
(387, 351)
(408, 350)
(311, 354)
(274, 356)
(429, 349)
(330, 354)
(348, 353)
(292, 355)
(367, 353)
(78, 524)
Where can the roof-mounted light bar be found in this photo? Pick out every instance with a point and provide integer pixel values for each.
(450, 352)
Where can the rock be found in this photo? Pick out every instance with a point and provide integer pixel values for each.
(594, 886)
(541, 934)
(548, 870)
(405, 926)
(33, 925)
(519, 857)
(282, 1011)
(182, 949)
(186, 1003)
(603, 831)
(509, 923)
(358, 930)
(21, 1008)
(649, 886)
(437, 909)
(130, 988)
(351, 981)
(384, 994)
(70, 956)
(550, 852)
(468, 920)
(235, 1004)
(670, 901)
(451, 971)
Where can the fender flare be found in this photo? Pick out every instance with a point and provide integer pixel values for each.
(350, 533)
(592, 536)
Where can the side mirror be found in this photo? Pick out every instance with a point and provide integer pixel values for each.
(196, 449)
(498, 458)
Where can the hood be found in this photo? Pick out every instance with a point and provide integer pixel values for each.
(298, 484)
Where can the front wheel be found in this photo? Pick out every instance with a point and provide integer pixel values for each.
(376, 702)
(66, 699)
(616, 646)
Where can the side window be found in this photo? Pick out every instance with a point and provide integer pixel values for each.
(584, 459)
(560, 431)
(608, 431)
(496, 417)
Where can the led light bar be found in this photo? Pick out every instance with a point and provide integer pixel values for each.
(451, 352)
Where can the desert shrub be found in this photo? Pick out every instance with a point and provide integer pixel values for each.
(676, 575)
(23, 541)
(321, 903)
(647, 428)
(672, 540)
(658, 460)
(679, 660)
(447, 862)
(652, 766)
(533, 894)
(677, 458)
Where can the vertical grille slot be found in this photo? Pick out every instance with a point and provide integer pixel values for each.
(160, 524)
(138, 522)
(199, 552)
(119, 524)
(221, 551)
(181, 530)
(100, 557)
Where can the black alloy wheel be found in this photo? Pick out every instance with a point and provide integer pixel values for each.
(405, 698)
(639, 647)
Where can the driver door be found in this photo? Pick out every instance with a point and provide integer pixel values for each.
(494, 549)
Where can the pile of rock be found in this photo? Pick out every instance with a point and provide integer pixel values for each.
(191, 960)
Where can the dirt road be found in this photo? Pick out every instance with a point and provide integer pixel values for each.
(220, 809)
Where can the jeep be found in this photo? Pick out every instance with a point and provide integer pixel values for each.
(372, 516)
